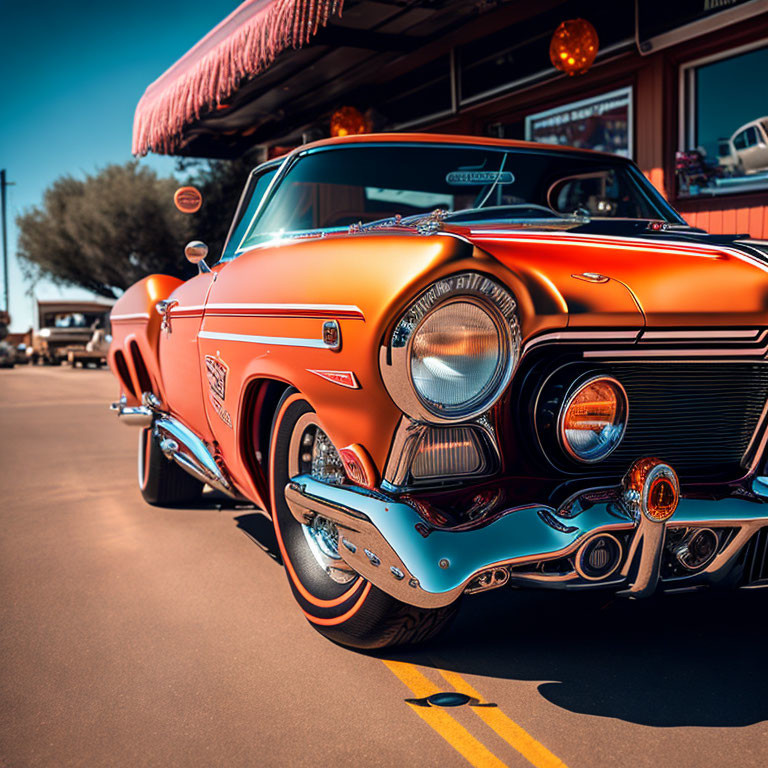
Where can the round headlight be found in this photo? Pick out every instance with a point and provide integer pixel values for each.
(453, 351)
(593, 419)
(457, 357)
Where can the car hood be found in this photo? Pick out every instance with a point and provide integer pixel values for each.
(670, 283)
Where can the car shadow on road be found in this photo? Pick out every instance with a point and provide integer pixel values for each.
(696, 659)
(258, 527)
(252, 521)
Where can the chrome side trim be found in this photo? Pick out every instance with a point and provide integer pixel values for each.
(128, 317)
(177, 309)
(741, 352)
(278, 341)
(351, 311)
(176, 441)
(570, 337)
(722, 335)
(185, 448)
(132, 415)
(757, 336)
(604, 241)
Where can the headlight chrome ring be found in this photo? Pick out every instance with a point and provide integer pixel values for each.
(453, 352)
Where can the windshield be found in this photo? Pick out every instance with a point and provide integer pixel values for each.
(73, 320)
(329, 190)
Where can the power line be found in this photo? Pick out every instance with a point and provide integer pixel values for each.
(3, 185)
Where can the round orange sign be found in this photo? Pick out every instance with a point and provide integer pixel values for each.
(188, 199)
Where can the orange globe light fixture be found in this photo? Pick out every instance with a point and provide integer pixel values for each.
(348, 121)
(188, 199)
(574, 46)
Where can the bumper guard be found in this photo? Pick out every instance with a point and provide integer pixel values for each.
(390, 544)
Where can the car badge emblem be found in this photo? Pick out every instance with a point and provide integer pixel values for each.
(216, 370)
(342, 378)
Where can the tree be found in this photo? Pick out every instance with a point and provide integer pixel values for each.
(105, 232)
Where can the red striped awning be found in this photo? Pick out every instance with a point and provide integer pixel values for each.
(243, 45)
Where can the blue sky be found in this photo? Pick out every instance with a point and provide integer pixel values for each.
(72, 73)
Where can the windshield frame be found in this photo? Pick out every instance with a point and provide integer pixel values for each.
(649, 192)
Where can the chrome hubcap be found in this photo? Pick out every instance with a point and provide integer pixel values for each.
(312, 452)
(326, 536)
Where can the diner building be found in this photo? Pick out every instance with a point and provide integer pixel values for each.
(681, 87)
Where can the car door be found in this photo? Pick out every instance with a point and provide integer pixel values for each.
(186, 373)
(221, 362)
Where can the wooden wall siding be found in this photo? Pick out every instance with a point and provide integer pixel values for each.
(649, 120)
(718, 218)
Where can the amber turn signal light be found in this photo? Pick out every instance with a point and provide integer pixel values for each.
(651, 487)
(593, 419)
(662, 499)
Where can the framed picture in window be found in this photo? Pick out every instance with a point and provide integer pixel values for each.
(602, 122)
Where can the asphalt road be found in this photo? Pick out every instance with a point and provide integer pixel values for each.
(132, 636)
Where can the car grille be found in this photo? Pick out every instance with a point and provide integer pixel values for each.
(697, 416)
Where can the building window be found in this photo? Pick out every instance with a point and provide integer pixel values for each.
(510, 57)
(724, 123)
(603, 122)
(420, 95)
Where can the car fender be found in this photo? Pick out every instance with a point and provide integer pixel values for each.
(375, 276)
(133, 354)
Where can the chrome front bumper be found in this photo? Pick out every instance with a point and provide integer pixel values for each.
(389, 543)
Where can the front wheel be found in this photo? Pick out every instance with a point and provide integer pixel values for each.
(338, 602)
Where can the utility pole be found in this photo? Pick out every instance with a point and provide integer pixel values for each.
(3, 185)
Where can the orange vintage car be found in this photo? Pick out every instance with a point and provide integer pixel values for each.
(446, 364)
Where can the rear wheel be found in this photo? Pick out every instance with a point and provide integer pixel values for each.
(162, 482)
(339, 603)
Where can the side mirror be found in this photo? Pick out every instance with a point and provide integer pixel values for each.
(196, 251)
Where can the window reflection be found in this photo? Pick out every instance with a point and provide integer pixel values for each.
(726, 133)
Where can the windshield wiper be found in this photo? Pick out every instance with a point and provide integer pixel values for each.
(480, 213)
(428, 221)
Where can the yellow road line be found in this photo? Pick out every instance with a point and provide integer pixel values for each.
(451, 730)
(507, 728)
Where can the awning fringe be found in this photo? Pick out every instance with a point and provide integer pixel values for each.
(244, 44)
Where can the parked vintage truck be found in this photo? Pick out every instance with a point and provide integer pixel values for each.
(64, 326)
